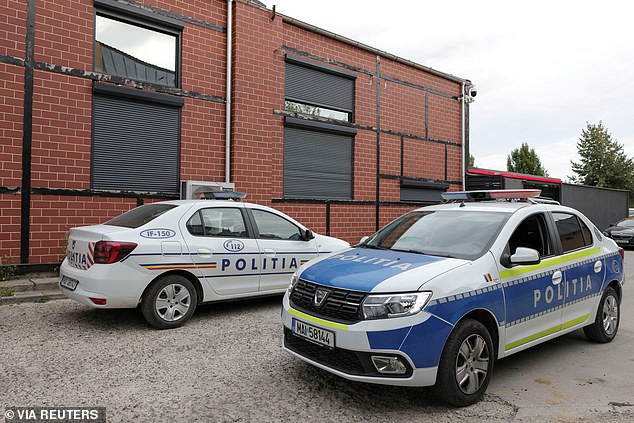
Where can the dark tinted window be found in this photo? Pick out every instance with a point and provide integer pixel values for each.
(443, 233)
(571, 233)
(140, 215)
(531, 233)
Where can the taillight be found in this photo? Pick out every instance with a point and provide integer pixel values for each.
(622, 253)
(107, 252)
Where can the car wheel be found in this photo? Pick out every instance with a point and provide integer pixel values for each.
(466, 364)
(170, 302)
(606, 323)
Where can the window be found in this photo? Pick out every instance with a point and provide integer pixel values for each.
(135, 133)
(131, 50)
(457, 234)
(218, 222)
(139, 216)
(532, 233)
(272, 226)
(318, 156)
(573, 233)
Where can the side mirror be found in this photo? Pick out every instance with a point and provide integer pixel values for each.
(308, 235)
(364, 239)
(525, 256)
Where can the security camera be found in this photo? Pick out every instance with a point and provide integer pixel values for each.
(473, 92)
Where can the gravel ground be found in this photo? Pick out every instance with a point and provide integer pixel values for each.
(227, 365)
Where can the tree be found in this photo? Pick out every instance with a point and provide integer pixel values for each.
(471, 160)
(603, 162)
(525, 160)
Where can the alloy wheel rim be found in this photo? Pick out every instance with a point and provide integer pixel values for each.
(472, 364)
(610, 315)
(172, 302)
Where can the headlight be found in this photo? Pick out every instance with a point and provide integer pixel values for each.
(396, 305)
(294, 280)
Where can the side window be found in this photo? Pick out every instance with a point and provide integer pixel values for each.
(573, 233)
(532, 233)
(218, 222)
(272, 226)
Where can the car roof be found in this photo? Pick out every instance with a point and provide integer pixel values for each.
(488, 206)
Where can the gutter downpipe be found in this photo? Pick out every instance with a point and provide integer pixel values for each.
(228, 93)
(464, 136)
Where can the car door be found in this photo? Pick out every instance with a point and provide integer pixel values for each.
(533, 293)
(283, 248)
(584, 274)
(224, 249)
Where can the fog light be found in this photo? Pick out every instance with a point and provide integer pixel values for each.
(389, 365)
(98, 301)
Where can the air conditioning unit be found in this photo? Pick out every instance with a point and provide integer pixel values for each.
(194, 190)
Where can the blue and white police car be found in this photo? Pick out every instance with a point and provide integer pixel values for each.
(436, 296)
(170, 256)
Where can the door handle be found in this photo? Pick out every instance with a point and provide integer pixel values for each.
(203, 252)
(269, 252)
(557, 276)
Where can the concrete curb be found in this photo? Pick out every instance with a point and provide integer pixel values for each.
(39, 288)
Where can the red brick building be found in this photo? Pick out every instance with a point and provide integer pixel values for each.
(107, 104)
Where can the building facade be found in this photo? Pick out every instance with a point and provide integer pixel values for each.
(109, 104)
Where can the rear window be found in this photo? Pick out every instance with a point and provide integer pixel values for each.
(140, 216)
(572, 233)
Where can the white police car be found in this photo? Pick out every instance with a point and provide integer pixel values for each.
(172, 255)
(436, 296)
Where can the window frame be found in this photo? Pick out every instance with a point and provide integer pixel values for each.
(134, 16)
(552, 242)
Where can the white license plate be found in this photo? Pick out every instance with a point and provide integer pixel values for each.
(622, 241)
(68, 283)
(314, 334)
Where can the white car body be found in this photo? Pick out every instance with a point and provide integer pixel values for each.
(220, 267)
(521, 305)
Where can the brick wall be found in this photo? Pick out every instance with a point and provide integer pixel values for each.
(62, 119)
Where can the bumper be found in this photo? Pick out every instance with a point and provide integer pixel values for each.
(119, 285)
(409, 338)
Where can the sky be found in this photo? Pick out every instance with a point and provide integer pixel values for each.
(542, 69)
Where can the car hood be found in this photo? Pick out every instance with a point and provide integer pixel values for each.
(367, 270)
(618, 230)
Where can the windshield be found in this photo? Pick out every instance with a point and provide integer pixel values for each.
(140, 216)
(627, 223)
(457, 234)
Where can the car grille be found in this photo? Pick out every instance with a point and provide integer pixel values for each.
(350, 362)
(621, 236)
(340, 305)
(343, 360)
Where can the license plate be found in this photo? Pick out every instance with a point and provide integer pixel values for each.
(68, 283)
(622, 241)
(314, 334)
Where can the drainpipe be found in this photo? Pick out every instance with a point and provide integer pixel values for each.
(464, 137)
(228, 93)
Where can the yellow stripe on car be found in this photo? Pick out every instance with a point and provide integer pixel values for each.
(546, 332)
(317, 320)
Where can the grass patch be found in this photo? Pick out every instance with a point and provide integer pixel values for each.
(6, 292)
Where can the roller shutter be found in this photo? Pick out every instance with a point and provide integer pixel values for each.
(317, 164)
(135, 145)
(307, 85)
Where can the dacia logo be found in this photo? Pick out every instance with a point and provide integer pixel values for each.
(320, 296)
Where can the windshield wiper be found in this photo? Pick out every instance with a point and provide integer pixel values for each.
(427, 253)
(373, 247)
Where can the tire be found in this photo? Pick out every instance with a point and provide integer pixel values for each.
(169, 302)
(606, 323)
(466, 364)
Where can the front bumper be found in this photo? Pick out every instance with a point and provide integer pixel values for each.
(405, 338)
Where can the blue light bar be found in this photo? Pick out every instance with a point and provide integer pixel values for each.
(494, 194)
(223, 195)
